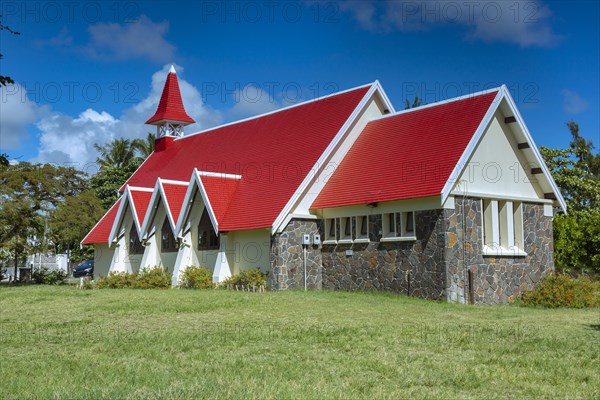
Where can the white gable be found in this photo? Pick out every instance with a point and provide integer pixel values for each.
(498, 168)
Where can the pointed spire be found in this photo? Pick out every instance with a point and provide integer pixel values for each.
(170, 108)
(172, 70)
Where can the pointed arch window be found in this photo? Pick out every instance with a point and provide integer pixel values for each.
(135, 246)
(168, 243)
(207, 238)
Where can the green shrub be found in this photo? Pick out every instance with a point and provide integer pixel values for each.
(250, 278)
(147, 279)
(196, 278)
(560, 290)
(47, 276)
(154, 278)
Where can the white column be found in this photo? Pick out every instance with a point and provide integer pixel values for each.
(150, 258)
(222, 270)
(184, 258)
(118, 261)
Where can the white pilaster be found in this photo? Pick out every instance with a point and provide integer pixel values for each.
(184, 258)
(222, 270)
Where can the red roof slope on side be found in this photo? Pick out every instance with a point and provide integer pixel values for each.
(174, 194)
(141, 199)
(170, 107)
(409, 155)
(220, 191)
(273, 153)
(101, 231)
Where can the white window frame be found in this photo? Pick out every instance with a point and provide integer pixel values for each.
(362, 221)
(502, 222)
(344, 238)
(328, 238)
(397, 232)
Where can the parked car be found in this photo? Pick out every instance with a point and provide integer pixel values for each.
(84, 268)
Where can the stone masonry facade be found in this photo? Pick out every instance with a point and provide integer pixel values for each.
(434, 266)
(496, 279)
(287, 257)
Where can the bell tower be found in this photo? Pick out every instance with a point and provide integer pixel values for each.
(170, 116)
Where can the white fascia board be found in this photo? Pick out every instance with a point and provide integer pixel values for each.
(211, 214)
(150, 212)
(468, 152)
(534, 149)
(119, 217)
(166, 204)
(324, 157)
(219, 175)
(173, 182)
(186, 203)
(276, 111)
(439, 103)
(384, 97)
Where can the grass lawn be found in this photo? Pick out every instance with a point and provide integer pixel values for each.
(60, 342)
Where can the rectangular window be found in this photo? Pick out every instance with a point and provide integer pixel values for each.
(408, 224)
(389, 225)
(346, 229)
(362, 227)
(502, 226)
(330, 230)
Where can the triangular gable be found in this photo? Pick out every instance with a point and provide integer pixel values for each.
(216, 190)
(136, 199)
(171, 194)
(505, 100)
(100, 232)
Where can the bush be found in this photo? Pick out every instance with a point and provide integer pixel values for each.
(47, 276)
(560, 290)
(250, 278)
(196, 278)
(155, 277)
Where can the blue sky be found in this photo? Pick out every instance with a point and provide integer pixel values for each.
(88, 72)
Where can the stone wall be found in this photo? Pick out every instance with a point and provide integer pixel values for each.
(414, 267)
(287, 257)
(495, 279)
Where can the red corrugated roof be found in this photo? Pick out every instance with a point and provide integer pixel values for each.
(101, 231)
(409, 155)
(174, 198)
(170, 106)
(140, 199)
(220, 191)
(273, 153)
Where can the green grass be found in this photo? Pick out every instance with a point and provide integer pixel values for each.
(60, 342)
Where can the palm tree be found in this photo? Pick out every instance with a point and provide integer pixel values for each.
(116, 154)
(144, 147)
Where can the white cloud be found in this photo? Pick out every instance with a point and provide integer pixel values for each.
(70, 140)
(523, 22)
(252, 100)
(16, 112)
(139, 39)
(573, 103)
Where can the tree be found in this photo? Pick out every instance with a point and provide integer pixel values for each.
(576, 171)
(28, 192)
(145, 147)
(117, 154)
(6, 80)
(107, 182)
(4, 162)
(416, 103)
(72, 219)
